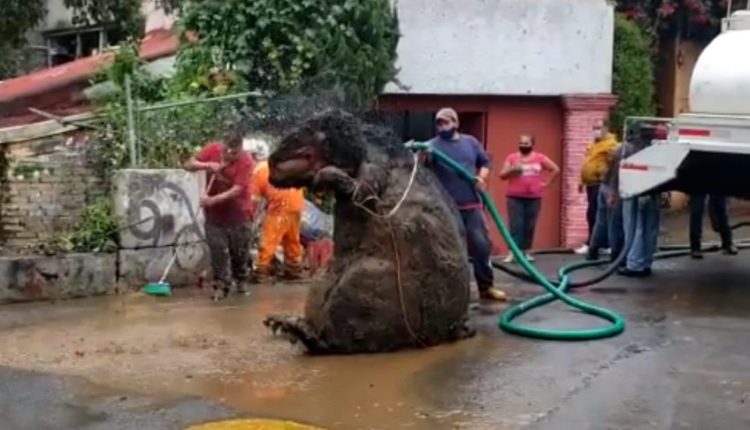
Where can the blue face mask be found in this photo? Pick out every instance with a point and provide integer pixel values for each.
(447, 134)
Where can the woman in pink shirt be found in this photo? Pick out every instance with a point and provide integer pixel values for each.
(528, 173)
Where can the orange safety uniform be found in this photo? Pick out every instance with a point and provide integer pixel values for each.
(282, 223)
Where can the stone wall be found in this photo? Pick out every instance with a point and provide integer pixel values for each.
(47, 183)
(49, 178)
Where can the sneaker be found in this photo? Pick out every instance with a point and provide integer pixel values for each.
(509, 259)
(530, 257)
(493, 293)
(606, 251)
(730, 250)
(629, 273)
(696, 255)
(583, 249)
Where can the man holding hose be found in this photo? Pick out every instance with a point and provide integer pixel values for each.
(467, 151)
(225, 203)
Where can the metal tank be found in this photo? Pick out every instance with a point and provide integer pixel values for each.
(708, 148)
(720, 83)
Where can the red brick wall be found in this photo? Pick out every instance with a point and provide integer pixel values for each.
(581, 113)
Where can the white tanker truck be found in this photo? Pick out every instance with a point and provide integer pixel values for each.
(708, 149)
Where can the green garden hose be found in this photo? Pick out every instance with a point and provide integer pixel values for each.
(554, 292)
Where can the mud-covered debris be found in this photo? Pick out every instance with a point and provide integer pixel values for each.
(397, 279)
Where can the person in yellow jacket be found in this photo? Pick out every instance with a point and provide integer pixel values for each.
(281, 225)
(596, 163)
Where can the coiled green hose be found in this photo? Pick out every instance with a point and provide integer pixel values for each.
(558, 292)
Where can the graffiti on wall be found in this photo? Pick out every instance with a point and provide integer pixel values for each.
(160, 209)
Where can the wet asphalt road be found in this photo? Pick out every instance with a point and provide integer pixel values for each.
(141, 363)
(32, 400)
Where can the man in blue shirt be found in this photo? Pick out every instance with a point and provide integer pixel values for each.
(468, 152)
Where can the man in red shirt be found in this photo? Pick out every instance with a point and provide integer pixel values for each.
(225, 204)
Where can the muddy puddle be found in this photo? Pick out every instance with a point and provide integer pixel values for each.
(187, 345)
(686, 326)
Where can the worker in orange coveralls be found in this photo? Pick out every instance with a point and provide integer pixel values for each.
(281, 225)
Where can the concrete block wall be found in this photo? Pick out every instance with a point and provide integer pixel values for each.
(47, 184)
(59, 277)
(160, 210)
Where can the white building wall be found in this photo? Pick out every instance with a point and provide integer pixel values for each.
(505, 47)
(156, 18)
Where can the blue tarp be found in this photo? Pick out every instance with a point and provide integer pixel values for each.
(316, 224)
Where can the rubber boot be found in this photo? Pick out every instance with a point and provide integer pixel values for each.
(261, 275)
(293, 272)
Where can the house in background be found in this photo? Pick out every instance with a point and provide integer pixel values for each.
(72, 56)
(57, 40)
(511, 67)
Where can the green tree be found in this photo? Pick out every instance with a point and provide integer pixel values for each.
(17, 17)
(277, 46)
(633, 73)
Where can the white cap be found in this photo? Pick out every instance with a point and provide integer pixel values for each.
(259, 148)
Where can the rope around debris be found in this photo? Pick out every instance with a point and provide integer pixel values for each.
(387, 217)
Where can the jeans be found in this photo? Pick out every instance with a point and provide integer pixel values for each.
(479, 247)
(646, 235)
(608, 228)
(717, 212)
(592, 197)
(522, 214)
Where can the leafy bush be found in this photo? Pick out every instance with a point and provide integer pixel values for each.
(94, 233)
(633, 73)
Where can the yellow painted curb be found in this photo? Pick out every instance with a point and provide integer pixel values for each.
(254, 424)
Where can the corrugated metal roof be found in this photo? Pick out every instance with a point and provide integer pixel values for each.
(156, 44)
